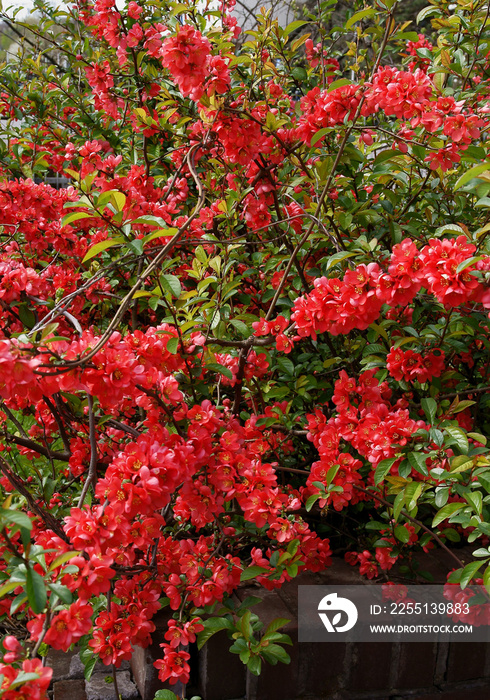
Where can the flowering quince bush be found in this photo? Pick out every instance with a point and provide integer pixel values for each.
(253, 329)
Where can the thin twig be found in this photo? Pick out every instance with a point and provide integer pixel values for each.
(92, 470)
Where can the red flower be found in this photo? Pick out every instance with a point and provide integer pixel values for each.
(173, 667)
(187, 57)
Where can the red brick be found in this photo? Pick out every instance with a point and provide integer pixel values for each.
(467, 661)
(321, 669)
(416, 666)
(482, 693)
(341, 573)
(289, 590)
(145, 675)
(69, 690)
(222, 675)
(60, 662)
(370, 667)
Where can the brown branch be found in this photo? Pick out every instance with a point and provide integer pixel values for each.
(331, 175)
(154, 265)
(59, 423)
(92, 470)
(18, 485)
(413, 520)
(36, 447)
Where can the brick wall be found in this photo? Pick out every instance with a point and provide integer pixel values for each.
(333, 671)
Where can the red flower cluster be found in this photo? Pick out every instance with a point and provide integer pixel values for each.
(464, 609)
(412, 366)
(366, 421)
(66, 628)
(33, 689)
(322, 108)
(187, 57)
(339, 306)
(276, 327)
(402, 94)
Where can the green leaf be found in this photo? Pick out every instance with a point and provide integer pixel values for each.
(241, 327)
(63, 558)
(299, 74)
(165, 695)
(461, 405)
(9, 587)
(475, 501)
(459, 436)
(88, 659)
(426, 12)
(172, 284)
(446, 511)
(468, 572)
(448, 228)
(252, 572)
(310, 502)
(220, 369)
(429, 407)
(274, 653)
(100, 247)
(22, 678)
(285, 364)
(338, 83)
(168, 232)
(417, 461)
(466, 263)
(461, 463)
(151, 221)
(478, 437)
(369, 12)
(383, 469)
(401, 533)
(245, 626)
(413, 491)
(385, 155)
(211, 626)
(254, 665)
(275, 625)
(17, 602)
(471, 173)
(293, 26)
(62, 592)
(118, 200)
(483, 202)
(114, 197)
(486, 579)
(398, 505)
(136, 245)
(173, 345)
(36, 591)
(320, 134)
(332, 473)
(17, 517)
(451, 534)
(338, 257)
(76, 216)
(375, 525)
